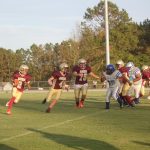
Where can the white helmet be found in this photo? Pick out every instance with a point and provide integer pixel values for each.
(120, 62)
(63, 66)
(82, 61)
(144, 67)
(23, 69)
(130, 64)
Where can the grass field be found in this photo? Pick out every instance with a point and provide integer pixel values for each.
(69, 128)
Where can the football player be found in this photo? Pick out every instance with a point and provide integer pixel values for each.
(135, 80)
(112, 76)
(149, 84)
(57, 81)
(145, 78)
(81, 71)
(20, 78)
(124, 85)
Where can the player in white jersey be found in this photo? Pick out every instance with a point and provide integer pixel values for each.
(112, 77)
(135, 80)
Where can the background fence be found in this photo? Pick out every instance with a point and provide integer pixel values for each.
(43, 85)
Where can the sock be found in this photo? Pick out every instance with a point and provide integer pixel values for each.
(77, 103)
(11, 101)
(52, 103)
(120, 101)
(82, 100)
(107, 105)
(128, 99)
(123, 99)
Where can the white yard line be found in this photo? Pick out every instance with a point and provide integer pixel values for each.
(46, 127)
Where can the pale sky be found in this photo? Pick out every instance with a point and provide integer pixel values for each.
(24, 22)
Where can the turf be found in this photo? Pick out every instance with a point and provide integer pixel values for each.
(69, 128)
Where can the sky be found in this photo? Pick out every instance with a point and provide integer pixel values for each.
(24, 22)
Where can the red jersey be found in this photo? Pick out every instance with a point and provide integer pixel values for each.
(59, 79)
(123, 70)
(85, 72)
(146, 75)
(22, 80)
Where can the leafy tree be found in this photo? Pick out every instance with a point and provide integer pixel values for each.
(123, 32)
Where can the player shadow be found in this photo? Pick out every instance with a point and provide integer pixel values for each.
(5, 147)
(141, 143)
(78, 143)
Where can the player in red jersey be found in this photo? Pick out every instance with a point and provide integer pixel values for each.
(57, 81)
(149, 84)
(81, 71)
(145, 78)
(124, 85)
(20, 79)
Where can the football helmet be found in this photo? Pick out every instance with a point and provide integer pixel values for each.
(119, 64)
(63, 67)
(23, 69)
(110, 69)
(130, 64)
(145, 67)
(82, 63)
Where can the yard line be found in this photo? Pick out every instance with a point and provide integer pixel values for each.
(46, 127)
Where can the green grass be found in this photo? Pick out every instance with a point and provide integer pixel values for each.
(69, 128)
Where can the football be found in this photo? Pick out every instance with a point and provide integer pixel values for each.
(16, 81)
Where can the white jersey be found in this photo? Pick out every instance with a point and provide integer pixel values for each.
(113, 78)
(132, 75)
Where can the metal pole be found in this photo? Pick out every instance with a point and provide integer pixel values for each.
(107, 33)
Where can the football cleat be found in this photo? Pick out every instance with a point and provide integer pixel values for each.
(81, 105)
(77, 106)
(8, 112)
(48, 110)
(121, 106)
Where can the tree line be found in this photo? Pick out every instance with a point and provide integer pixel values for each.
(129, 41)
